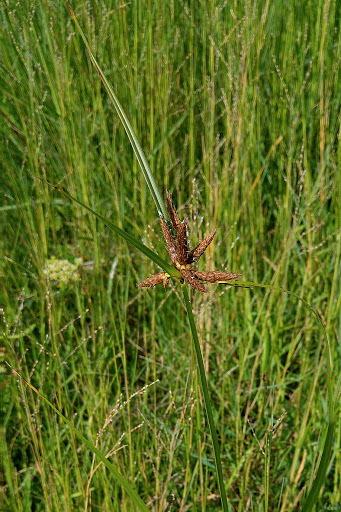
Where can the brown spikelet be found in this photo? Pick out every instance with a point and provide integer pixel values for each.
(195, 254)
(214, 276)
(173, 214)
(170, 243)
(153, 280)
(182, 258)
(182, 250)
(188, 276)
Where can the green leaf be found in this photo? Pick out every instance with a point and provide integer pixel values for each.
(131, 239)
(122, 481)
(322, 470)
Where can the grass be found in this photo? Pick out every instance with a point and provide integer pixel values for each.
(238, 111)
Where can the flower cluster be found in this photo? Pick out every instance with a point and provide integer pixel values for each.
(62, 271)
(182, 257)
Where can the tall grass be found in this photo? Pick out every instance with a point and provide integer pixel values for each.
(238, 110)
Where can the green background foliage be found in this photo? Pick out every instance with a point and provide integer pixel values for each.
(237, 107)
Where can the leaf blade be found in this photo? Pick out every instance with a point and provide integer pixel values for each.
(142, 160)
(129, 238)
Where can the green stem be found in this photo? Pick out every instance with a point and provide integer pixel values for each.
(207, 399)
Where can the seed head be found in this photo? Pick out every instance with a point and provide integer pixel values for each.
(182, 258)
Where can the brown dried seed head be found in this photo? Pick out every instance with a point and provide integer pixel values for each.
(188, 276)
(173, 214)
(215, 276)
(153, 280)
(195, 254)
(170, 243)
(182, 249)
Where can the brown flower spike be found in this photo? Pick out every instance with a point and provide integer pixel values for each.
(183, 258)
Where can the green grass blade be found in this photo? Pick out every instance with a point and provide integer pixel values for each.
(122, 481)
(131, 239)
(127, 126)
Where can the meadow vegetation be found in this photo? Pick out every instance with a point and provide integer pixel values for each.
(237, 108)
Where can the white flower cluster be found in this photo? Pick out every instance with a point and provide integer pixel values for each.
(62, 271)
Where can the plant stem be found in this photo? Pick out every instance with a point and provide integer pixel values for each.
(207, 399)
